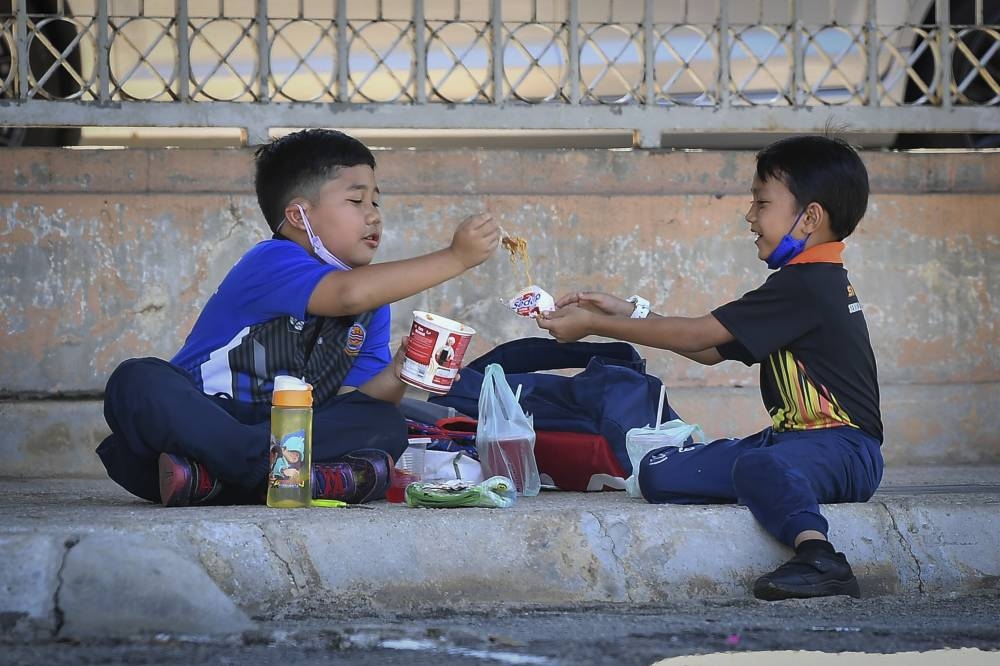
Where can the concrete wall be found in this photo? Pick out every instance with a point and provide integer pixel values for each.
(106, 255)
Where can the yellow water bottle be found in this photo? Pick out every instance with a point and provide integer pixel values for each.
(289, 483)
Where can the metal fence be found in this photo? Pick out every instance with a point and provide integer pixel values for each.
(647, 66)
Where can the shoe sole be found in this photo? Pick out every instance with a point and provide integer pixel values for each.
(835, 588)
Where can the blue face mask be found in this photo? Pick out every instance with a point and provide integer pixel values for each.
(788, 248)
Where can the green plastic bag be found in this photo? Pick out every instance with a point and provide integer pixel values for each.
(496, 492)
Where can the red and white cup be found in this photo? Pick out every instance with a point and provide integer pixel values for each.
(434, 352)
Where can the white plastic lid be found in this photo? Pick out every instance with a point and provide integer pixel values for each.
(289, 383)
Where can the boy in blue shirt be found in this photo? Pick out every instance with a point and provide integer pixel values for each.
(818, 379)
(306, 303)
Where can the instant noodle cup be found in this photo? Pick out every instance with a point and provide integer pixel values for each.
(434, 352)
(531, 300)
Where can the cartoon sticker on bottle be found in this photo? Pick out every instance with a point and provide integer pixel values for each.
(286, 460)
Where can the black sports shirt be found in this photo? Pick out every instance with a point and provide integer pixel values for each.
(805, 327)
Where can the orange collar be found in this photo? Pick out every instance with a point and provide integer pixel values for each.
(824, 253)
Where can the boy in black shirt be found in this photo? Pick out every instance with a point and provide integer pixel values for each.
(805, 327)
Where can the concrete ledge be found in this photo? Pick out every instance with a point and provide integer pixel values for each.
(55, 438)
(33, 170)
(558, 548)
(52, 438)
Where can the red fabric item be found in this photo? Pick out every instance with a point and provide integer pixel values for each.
(458, 424)
(572, 458)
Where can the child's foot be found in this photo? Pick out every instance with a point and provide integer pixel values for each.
(813, 573)
(359, 476)
(184, 482)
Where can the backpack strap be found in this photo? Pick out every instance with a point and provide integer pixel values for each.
(531, 354)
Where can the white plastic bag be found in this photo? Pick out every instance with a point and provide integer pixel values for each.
(505, 436)
(451, 465)
(640, 441)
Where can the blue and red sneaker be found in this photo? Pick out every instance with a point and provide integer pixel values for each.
(184, 482)
(360, 476)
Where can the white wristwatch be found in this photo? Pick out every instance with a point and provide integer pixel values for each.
(641, 310)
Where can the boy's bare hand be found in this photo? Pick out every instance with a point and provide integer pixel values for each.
(567, 324)
(599, 302)
(475, 239)
(400, 357)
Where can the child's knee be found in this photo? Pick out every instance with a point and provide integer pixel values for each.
(656, 475)
(129, 374)
(754, 469)
(388, 429)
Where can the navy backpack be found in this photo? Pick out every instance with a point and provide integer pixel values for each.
(580, 420)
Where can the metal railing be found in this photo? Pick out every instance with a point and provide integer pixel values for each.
(647, 66)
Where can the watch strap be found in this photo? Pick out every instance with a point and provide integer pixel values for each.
(641, 310)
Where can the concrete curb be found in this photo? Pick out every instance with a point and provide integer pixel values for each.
(54, 438)
(203, 570)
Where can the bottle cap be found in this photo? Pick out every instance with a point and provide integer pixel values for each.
(291, 392)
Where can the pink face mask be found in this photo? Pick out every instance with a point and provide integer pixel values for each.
(317, 245)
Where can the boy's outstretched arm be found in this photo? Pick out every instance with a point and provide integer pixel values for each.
(368, 287)
(607, 304)
(709, 356)
(693, 337)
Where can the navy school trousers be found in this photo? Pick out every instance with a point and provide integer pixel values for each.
(782, 477)
(154, 407)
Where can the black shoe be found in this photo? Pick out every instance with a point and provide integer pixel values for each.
(808, 575)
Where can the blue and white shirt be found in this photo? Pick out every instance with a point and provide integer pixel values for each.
(255, 326)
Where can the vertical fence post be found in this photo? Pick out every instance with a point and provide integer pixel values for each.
(257, 134)
(799, 46)
(648, 52)
(21, 32)
(496, 25)
(723, 81)
(574, 52)
(342, 52)
(649, 133)
(183, 52)
(420, 45)
(263, 54)
(946, 49)
(103, 53)
(871, 50)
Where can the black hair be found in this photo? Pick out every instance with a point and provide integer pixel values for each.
(823, 169)
(299, 164)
